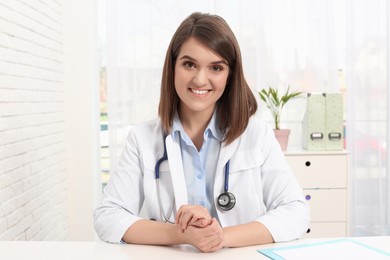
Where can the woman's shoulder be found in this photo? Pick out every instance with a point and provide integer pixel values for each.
(258, 134)
(256, 131)
(257, 124)
(147, 130)
(149, 124)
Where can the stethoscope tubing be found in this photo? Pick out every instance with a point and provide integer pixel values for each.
(226, 185)
(231, 201)
(159, 161)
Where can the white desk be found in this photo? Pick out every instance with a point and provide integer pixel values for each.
(18, 250)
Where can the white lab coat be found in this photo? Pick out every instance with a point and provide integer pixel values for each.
(262, 182)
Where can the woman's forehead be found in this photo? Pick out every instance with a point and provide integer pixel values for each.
(197, 51)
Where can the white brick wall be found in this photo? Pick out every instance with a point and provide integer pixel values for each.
(33, 179)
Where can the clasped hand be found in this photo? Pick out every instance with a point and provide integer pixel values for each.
(199, 228)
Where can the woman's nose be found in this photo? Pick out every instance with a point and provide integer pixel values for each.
(200, 78)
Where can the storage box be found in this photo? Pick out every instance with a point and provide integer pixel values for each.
(334, 122)
(322, 125)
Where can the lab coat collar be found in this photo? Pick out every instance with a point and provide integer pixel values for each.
(177, 172)
(212, 129)
(228, 150)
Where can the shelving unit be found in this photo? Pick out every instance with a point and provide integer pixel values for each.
(324, 179)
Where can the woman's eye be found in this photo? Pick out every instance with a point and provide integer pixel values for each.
(216, 68)
(189, 64)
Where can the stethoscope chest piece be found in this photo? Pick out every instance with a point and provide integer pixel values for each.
(226, 201)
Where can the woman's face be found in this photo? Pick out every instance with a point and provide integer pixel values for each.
(200, 78)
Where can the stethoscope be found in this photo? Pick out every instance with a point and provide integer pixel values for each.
(225, 200)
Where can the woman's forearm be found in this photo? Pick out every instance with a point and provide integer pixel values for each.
(150, 232)
(252, 233)
(146, 232)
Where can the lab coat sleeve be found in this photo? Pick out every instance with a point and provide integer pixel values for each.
(122, 197)
(287, 213)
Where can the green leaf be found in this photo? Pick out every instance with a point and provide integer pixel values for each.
(275, 103)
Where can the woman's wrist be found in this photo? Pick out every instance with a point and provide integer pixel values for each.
(253, 233)
(226, 237)
(154, 233)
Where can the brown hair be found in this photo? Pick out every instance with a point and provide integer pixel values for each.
(237, 104)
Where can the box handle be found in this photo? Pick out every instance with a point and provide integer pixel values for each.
(334, 136)
(317, 136)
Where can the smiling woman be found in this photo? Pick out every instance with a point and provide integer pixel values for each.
(200, 80)
(318, 46)
(206, 127)
(217, 47)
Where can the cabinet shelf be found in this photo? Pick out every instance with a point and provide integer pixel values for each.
(323, 175)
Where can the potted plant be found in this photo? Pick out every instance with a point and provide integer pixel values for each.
(275, 103)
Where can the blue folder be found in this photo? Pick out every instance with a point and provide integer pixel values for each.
(272, 253)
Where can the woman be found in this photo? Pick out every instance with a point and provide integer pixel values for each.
(221, 179)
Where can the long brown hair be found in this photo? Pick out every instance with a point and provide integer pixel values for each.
(237, 104)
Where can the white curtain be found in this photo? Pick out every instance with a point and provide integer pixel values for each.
(368, 67)
(314, 46)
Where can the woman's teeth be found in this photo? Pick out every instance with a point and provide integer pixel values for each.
(199, 91)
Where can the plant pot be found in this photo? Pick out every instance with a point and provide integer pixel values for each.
(282, 137)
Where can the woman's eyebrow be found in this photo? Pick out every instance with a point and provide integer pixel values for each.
(192, 59)
(187, 57)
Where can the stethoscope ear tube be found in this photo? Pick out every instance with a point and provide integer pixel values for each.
(157, 178)
(159, 161)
